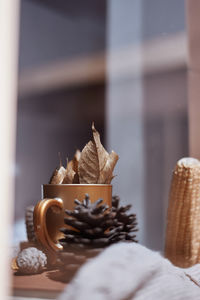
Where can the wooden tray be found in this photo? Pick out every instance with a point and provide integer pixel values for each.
(48, 284)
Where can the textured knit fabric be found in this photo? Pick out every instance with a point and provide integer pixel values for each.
(131, 271)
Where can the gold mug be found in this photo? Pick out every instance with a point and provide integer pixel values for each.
(49, 212)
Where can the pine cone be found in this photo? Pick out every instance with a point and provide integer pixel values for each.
(31, 261)
(91, 223)
(29, 224)
(94, 226)
(128, 222)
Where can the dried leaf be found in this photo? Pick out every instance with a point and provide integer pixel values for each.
(69, 176)
(88, 168)
(95, 164)
(106, 175)
(58, 176)
(101, 152)
(76, 159)
(72, 169)
(76, 179)
(75, 166)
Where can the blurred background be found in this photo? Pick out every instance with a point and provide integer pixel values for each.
(121, 64)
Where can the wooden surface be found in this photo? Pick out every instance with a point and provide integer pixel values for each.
(48, 284)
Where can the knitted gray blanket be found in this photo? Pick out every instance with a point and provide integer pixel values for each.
(131, 271)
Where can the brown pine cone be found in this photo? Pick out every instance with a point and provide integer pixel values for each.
(127, 221)
(93, 226)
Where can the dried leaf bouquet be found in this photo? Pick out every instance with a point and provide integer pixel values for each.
(94, 165)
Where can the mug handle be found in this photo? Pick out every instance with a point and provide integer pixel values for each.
(40, 227)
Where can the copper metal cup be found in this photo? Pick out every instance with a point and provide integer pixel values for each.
(49, 212)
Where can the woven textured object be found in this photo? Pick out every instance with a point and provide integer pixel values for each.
(29, 224)
(182, 246)
(31, 261)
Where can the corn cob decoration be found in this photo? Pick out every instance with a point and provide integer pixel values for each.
(182, 245)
